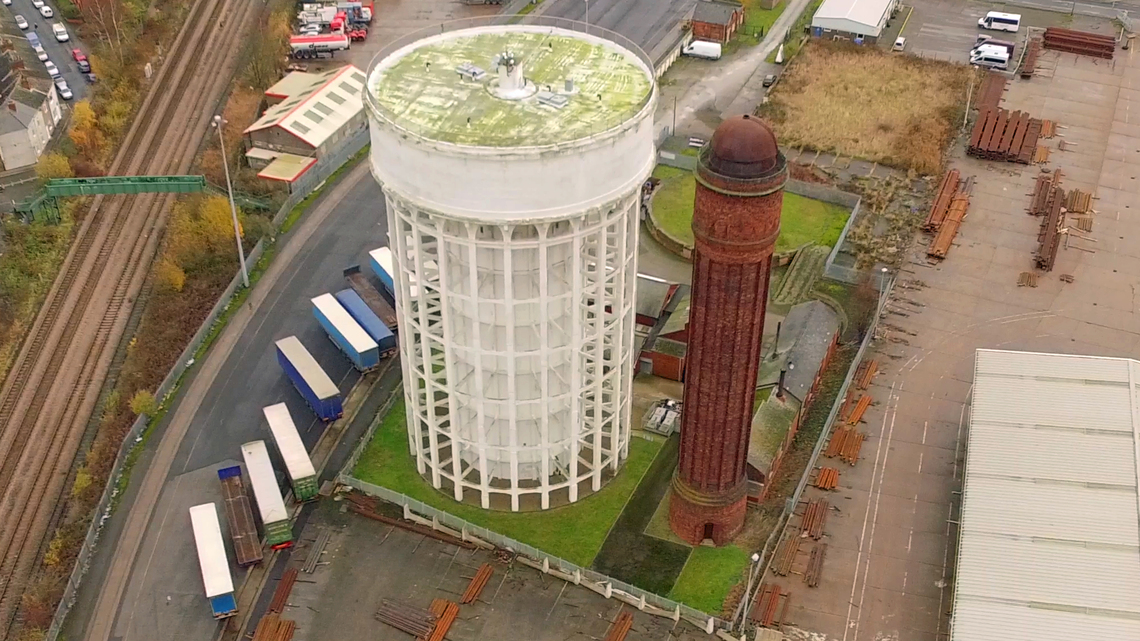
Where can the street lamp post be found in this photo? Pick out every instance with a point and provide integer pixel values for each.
(218, 122)
(743, 607)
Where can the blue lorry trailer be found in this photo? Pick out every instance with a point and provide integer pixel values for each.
(311, 381)
(380, 260)
(346, 333)
(360, 312)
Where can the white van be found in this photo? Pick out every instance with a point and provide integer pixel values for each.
(991, 59)
(997, 21)
(60, 32)
(703, 49)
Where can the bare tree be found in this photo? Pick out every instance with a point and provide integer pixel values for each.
(109, 19)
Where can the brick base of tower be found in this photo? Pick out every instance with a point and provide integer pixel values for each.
(695, 520)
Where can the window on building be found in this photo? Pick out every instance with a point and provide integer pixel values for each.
(335, 97)
(312, 115)
(349, 88)
(298, 127)
(357, 76)
(323, 108)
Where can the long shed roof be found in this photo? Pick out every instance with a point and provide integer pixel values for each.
(1050, 523)
(868, 13)
(319, 107)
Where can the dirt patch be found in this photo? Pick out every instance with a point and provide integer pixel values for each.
(865, 103)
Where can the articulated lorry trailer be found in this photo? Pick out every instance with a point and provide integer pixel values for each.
(343, 330)
(371, 297)
(213, 561)
(311, 381)
(274, 516)
(376, 328)
(298, 465)
(239, 515)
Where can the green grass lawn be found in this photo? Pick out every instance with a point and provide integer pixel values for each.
(757, 20)
(574, 532)
(796, 33)
(803, 221)
(708, 577)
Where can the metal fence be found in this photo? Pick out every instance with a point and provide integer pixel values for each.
(312, 180)
(609, 587)
(790, 505)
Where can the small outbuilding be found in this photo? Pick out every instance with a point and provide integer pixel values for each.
(717, 20)
(860, 21)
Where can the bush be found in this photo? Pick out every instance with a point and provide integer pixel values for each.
(144, 403)
(170, 276)
(53, 165)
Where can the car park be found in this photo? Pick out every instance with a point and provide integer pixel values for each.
(63, 89)
(52, 70)
(46, 12)
(21, 23)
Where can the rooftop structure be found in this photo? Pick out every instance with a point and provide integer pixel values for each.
(855, 17)
(512, 159)
(1049, 534)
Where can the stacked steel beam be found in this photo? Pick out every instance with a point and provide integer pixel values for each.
(1001, 135)
(415, 621)
(1029, 67)
(1080, 42)
(993, 88)
(815, 516)
(767, 610)
(815, 565)
(478, 582)
(940, 246)
(1049, 239)
(946, 192)
(786, 555)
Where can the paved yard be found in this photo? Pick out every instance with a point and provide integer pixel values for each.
(888, 572)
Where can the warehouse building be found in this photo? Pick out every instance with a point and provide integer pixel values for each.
(860, 21)
(309, 116)
(1049, 534)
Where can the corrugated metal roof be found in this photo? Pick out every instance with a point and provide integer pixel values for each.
(319, 108)
(864, 12)
(286, 167)
(1049, 532)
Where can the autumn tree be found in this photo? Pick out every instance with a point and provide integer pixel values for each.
(109, 19)
(85, 131)
(267, 51)
(53, 165)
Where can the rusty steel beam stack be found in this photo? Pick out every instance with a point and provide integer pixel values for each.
(1078, 202)
(284, 587)
(271, 627)
(786, 556)
(1049, 239)
(941, 206)
(1029, 67)
(478, 582)
(1001, 135)
(827, 478)
(767, 609)
(845, 444)
(815, 565)
(1039, 203)
(993, 88)
(866, 374)
(415, 621)
(620, 627)
(940, 246)
(814, 518)
(860, 409)
(445, 612)
(1080, 42)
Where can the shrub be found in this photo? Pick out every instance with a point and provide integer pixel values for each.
(170, 276)
(53, 165)
(144, 403)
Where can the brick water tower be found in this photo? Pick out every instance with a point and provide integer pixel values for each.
(736, 220)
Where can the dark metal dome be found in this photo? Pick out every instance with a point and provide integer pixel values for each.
(743, 147)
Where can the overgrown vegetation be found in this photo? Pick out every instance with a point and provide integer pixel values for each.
(574, 532)
(795, 37)
(803, 220)
(863, 102)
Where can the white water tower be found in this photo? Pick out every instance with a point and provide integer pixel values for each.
(512, 159)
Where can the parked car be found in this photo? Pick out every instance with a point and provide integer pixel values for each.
(21, 23)
(52, 70)
(7, 3)
(90, 78)
(46, 11)
(60, 32)
(63, 89)
(37, 3)
(769, 80)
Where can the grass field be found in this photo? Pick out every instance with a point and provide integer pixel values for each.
(575, 532)
(803, 220)
(709, 576)
(866, 103)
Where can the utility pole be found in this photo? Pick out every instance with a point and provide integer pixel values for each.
(218, 122)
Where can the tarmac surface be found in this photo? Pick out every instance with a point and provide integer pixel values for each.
(888, 571)
(647, 23)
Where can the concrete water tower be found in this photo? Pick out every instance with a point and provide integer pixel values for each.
(512, 159)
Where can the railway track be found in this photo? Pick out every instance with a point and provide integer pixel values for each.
(50, 393)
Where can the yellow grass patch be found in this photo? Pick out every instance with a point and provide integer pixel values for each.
(866, 103)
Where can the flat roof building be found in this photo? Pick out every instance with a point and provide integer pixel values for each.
(860, 20)
(1049, 530)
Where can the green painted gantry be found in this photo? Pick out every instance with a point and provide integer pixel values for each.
(46, 202)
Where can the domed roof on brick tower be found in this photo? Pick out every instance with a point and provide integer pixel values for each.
(743, 147)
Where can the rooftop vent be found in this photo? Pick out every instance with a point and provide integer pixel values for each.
(552, 99)
(469, 71)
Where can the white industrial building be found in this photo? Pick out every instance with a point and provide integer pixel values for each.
(857, 20)
(1049, 531)
(512, 159)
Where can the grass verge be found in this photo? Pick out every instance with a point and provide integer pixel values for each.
(709, 576)
(574, 532)
(803, 220)
(795, 36)
(863, 102)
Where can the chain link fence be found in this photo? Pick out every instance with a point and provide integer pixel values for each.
(307, 184)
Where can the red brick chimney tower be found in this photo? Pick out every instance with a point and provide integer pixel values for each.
(736, 219)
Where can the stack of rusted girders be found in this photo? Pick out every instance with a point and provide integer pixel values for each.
(445, 612)
(272, 627)
(815, 565)
(1042, 192)
(406, 618)
(284, 587)
(946, 191)
(478, 582)
(1029, 66)
(944, 239)
(991, 92)
(1049, 238)
(620, 627)
(771, 606)
(786, 555)
(1001, 135)
(1080, 42)
(814, 518)
(827, 478)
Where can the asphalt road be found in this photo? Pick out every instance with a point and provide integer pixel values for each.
(229, 415)
(58, 52)
(645, 22)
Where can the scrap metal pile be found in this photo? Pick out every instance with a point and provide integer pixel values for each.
(1001, 135)
(1080, 42)
(947, 212)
